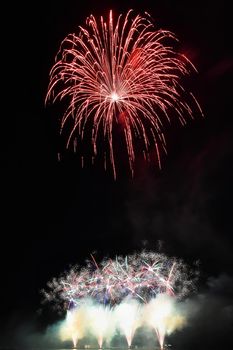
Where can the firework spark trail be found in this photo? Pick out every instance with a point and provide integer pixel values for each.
(125, 74)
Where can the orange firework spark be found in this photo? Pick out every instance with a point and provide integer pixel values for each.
(120, 73)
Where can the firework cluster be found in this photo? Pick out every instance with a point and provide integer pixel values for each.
(124, 294)
(141, 276)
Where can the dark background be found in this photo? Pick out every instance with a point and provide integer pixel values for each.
(56, 213)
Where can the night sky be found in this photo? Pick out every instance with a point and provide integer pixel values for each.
(55, 213)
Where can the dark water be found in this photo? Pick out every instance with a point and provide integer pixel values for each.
(112, 348)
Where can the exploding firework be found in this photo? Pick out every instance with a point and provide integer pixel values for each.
(122, 75)
(126, 293)
(141, 276)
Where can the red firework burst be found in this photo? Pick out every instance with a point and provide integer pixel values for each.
(120, 73)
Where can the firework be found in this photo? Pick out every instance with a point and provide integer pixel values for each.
(100, 322)
(120, 75)
(128, 318)
(141, 276)
(74, 326)
(124, 294)
(163, 316)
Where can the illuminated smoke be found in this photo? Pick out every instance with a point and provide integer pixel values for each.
(74, 326)
(128, 318)
(163, 316)
(99, 320)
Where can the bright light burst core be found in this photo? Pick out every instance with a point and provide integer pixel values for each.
(114, 97)
(121, 71)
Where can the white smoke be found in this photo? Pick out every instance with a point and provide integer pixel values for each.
(162, 314)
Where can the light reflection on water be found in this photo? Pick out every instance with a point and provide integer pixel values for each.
(166, 347)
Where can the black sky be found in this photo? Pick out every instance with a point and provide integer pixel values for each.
(55, 214)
